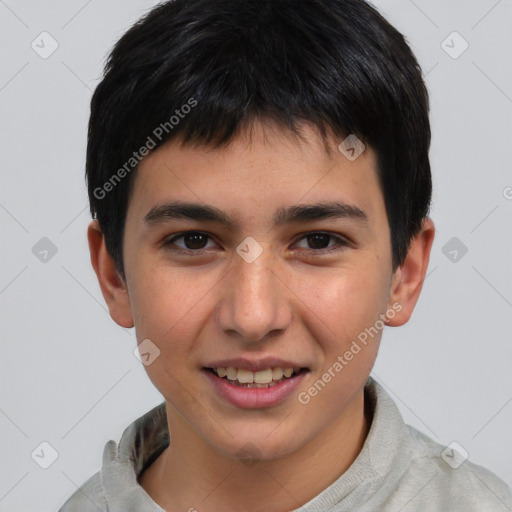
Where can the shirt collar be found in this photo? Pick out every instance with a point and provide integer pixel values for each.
(384, 458)
(385, 451)
(141, 443)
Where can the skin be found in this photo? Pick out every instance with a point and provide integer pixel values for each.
(296, 301)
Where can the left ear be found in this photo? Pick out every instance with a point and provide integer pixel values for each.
(407, 280)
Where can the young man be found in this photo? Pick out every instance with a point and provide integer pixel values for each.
(259, 176)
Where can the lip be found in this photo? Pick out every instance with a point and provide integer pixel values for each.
(254, 365)
(254, 398)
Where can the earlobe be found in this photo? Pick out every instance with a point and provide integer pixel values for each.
(111, 283)
(407, 280)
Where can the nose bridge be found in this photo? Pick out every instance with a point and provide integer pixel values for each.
(254, 302)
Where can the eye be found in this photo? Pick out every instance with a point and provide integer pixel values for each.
(197, 241)
(192, 241)
(319, 241)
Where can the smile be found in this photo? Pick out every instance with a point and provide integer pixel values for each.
(247, 389)
(260, 379)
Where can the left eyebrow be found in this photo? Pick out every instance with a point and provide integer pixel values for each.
(319, 211)
(297, 213)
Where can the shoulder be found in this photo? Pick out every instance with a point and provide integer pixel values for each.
(443, 478)
(89, 497)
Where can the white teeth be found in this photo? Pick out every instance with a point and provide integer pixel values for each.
(261, 378)
(245, 376)
(277, 373)
(231, 373)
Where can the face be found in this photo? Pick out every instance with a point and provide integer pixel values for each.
(256, 277)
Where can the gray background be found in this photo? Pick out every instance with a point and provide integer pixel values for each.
(68, 374)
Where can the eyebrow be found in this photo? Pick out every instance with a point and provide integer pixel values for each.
(296, 213)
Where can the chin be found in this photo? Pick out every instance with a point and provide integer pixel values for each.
(259, 446)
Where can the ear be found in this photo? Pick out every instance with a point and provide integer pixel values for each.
(407, 281)
(111, 283)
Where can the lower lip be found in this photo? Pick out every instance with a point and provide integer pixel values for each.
(255, 398)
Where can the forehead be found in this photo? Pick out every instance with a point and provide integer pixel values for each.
(261, 171)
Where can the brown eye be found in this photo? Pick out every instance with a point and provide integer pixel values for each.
(318, 240)
(189, 241)
(195, 240)
(322, 242)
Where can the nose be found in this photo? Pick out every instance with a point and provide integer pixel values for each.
(255, 304)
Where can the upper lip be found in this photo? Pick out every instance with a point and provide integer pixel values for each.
(253, 365)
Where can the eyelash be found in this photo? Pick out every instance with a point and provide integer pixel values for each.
(340, 244)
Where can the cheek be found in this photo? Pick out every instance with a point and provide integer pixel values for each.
(168, 305)
(341, 304)
(341, 313)
(170, 309)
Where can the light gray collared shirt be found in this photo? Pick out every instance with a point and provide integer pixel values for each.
(399, 469)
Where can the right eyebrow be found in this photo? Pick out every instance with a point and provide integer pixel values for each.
(184, 210)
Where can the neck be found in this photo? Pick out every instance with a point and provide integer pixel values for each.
(191, 475)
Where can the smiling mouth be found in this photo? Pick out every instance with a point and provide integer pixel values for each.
(262, 379)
